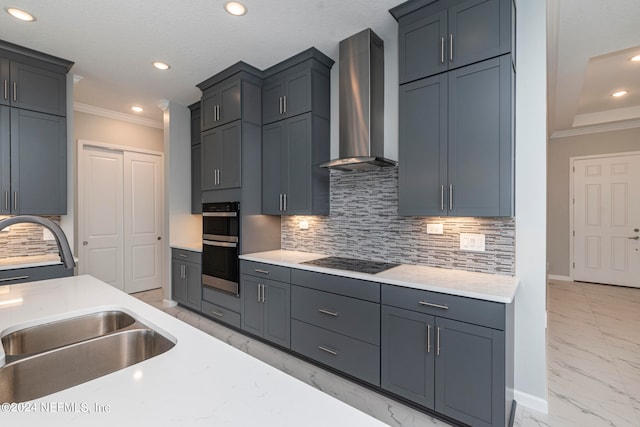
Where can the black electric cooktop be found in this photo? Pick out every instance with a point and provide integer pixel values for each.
(351, 264)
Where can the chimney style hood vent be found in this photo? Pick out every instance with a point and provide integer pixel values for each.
(361, 92)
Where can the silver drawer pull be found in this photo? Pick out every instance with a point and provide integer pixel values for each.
(217, 313)
(9, 279)
(257, 270)
(183, 256)
(328, 350)
(430, 304)
(330, 313)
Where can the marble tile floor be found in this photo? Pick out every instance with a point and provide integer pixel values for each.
(593, 361)
(593, 357)
(384, 409)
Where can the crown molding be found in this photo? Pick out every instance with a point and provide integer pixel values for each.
(103, 112)
(585, 130)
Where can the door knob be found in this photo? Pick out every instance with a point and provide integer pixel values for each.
(159, 238)
(85, 243)
(634, 238)
(636, 229)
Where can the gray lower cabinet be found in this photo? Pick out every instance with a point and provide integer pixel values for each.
(31, 274)
(221, 306)
(292, 183)
(33, 156)
(186, 280)
(457, 368)
(221, 157)
(456, 142)
(266, 308)
(336, 321)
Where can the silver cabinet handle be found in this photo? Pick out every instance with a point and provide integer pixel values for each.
(451, 47)
(217, 313)
(264, 298)
(258, 292)
(442, 50)
(6, 200)
(6, 89)
(183, 273)
(15, 92)
(442, 197)
(450, 197)
(328, 350)
(438, 341)
(284, 197)
(218, 176)
(280, 105)
(258, 270)
(428, 338)
(281, 204)
(8, 279)
(15, 201)
(634, 238)
(330, 313)
(284, 104)
(182, 256)
(430, 304)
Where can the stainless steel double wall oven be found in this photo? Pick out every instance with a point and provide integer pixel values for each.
(220, 246)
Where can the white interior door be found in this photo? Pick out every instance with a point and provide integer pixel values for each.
(102, 228)
(606, 219)
(142, 221)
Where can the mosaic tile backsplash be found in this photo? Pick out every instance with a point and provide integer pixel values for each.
(26, 240)
(364, 223)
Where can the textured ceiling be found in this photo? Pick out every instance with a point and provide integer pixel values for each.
(114, 42)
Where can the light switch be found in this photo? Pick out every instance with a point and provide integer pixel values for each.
(472, 242)
(47, 235)
(435, 228)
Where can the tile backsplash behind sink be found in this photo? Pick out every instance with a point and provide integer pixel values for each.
(364, 223)
(26, 240)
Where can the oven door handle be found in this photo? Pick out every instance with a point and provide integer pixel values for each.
(221, 244)
(223, 214)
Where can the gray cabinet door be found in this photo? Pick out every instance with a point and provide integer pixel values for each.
(423, 47)
(299, 192)
(275, 164)
(480, 29)
(38, 90)
(297, 93)
(5, 161)
(196, 179)
(277, 312)
(423, 147)
(221, 157)
(470, 373)
(408, 351)
(251, 305)
(194, 285)
(5, 82)
(272, 93)
(195, 124)
(209, 109)
(230, 102)
(480, 140)
(38, 163)
(178, 282)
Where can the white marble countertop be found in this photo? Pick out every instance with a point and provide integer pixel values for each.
(29, 261)
(200, 382)
(489, 287)
(188, 246)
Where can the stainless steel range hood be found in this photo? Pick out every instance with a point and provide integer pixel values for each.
(361, 93)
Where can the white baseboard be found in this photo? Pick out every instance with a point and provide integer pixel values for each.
(169, 303)
(558, 277)
(531, 402)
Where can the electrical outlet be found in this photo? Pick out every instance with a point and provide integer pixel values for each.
(435, 228)
(304, 225)
(472, 242)
(47, 235)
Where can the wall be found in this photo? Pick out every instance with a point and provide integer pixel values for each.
(558, 214)
(364, 223)
(531, 175)
(118, 132)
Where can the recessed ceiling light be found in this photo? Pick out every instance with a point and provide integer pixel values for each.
(235, 8)
(619, 93)
(20, 14)
(635, 58)
(161, 65)
(137, 109)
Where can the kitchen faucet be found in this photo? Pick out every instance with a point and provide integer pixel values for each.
(64, 250)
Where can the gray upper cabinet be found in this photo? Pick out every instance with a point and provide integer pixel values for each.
(456, 142)
(220, 104)
(34, 163)
(445, 35)
(292, 182)
(33, 132)
(221, 157)
(196, 160)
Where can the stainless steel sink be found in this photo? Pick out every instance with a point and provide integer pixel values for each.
(64, 367)
(48, 336)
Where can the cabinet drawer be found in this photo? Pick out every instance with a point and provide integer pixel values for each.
(348, 316)
(184, 255)
(268, 271)
(347, 286)
(32, 274)
(348, 355)
(221, 314)
(221, 299)
(479, 312)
